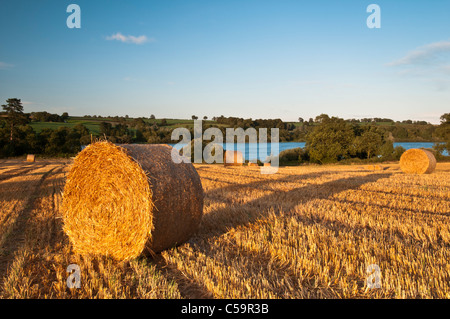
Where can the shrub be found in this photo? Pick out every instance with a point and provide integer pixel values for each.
(298, 155)
(398, 151)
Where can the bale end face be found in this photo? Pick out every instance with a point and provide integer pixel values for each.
(417, 161)
(119, 201)
(31, 158)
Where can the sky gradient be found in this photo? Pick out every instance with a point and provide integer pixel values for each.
(252, 59)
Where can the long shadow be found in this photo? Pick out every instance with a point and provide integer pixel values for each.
(283, 269)
(406, 210)
(12, 190)
(20, 171)
(219, 221)
(278, 201)
(257, 184)
(15, 238)
(425, 197)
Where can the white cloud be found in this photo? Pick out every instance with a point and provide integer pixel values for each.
(130, 38)
(429, 63)
(424, 54)
(4, 65)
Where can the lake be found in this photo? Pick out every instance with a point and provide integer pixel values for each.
(250, 150)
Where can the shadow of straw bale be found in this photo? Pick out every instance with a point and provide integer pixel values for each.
(15, 238)
(219, 221)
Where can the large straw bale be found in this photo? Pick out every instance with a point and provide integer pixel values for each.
(417, 161)
(122, 200)
(233, 158)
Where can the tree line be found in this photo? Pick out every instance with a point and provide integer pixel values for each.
(328, 139)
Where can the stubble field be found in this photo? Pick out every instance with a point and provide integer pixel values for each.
(305, 232)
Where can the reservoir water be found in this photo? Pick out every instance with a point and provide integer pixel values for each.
(251, 150)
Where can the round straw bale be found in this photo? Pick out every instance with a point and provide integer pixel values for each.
(233, 158)
(122, 200)
(417, 161)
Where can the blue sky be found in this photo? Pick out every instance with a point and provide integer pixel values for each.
(252, 59)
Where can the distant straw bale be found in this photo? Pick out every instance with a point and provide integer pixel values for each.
(233, 158)
(123, 200)
(31, 158)
(417, 161)
(252, 164)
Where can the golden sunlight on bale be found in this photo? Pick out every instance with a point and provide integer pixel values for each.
(252, 164)
(417, 161)
(233, 158)
(31, 158)
(123, 200)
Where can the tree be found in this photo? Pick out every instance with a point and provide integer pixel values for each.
(368, 143)
(443, 132)
(15, 115)
(106, 128)
(330, 141)
(194, 117)
(65, 116)
(301, 120)
(205, 117)
(321, 118)
(152, 117)
(445, 118)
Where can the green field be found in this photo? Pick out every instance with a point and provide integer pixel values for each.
(93, 124)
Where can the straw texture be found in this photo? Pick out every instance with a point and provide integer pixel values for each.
(122, 200)
(417, 161)
(374, 167)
